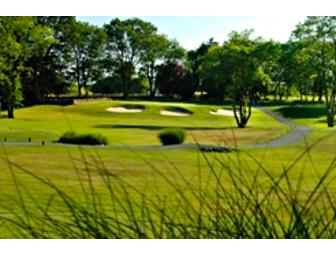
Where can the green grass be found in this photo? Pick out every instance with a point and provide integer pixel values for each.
(50, 122)
(312, 115)
(151, 172)
(179, 181)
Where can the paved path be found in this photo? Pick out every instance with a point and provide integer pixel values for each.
(113, 147)
(295, 134)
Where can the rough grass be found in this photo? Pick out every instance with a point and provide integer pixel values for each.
(176, 181)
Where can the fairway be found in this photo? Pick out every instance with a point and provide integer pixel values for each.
(48, 123)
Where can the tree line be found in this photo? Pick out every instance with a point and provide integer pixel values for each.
(41, 56)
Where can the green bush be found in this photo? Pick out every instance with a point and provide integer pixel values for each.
(87, 139)
(171, 136)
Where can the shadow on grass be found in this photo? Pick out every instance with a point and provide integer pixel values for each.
(300, 112)
(151, 127)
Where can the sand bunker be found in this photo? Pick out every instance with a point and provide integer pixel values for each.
(124, 110)
(222, 112)
(174, 113)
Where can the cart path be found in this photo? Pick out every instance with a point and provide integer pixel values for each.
(296, 133)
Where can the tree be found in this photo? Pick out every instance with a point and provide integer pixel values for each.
(20, 37)
(175, 52)
(156, 47)
(247, 75)
(238, 69)
(47, 66)
(173, 79)
(319, 35)
(214, 73)
(87, 44)
(127, 44)
(195, 59)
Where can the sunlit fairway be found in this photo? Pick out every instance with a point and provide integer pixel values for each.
(48, 123)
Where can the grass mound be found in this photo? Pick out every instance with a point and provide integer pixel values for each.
(85, 139)
(172, 136)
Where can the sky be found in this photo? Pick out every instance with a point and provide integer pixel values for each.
(191, 31)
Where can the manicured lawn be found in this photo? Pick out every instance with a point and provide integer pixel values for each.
(50, 122)
(313, 115)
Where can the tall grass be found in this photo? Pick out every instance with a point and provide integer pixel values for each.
(228, 198)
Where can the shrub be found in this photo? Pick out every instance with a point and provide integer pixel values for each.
(171, 136)
(87, 139)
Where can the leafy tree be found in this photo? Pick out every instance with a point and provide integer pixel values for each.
(21, 36)
(187, 86)
(47, 66)
(195, 59)
(156, 48)
(213, 73)
(87, 43)
(175, 52)
(238, 69)
(319, 35)
(127, 45)
(247, 75)
(173, 79)
(269, 53)
(113, 84)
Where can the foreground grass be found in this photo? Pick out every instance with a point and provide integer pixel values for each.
(73, 192)
(48, 123)
(98, 192)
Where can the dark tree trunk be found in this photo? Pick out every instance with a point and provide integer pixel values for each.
(244, 112)
(331, 108)
(10, 111)
(126, 87)
(79, 87)
(280, 97)
(320, 94)
(330, 119)
(275, 95)
(152, 87)
(301, 96)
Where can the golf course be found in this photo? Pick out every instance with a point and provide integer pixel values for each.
(114, 128)
(135, 156)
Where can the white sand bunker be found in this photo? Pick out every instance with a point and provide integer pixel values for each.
(174, 113)
(124, 110)
(222, 112)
